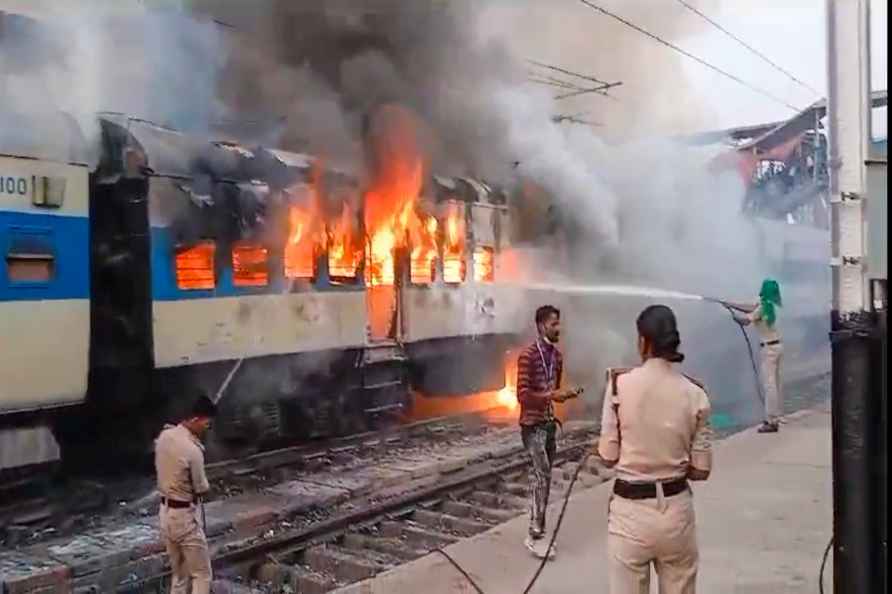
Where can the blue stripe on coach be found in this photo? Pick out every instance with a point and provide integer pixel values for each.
(66, 238)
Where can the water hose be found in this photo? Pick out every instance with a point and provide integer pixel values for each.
(228, 379)
(557, 528)
(749, 348)
(544, 561)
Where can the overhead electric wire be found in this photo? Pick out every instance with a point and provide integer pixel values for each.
(764, 58)
(568, 72)
(689, 55)
(573, 89)
(552, 83)
(600, 90)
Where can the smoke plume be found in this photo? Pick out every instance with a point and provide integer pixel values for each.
(83, 58)
(307, 76)
(313, 73)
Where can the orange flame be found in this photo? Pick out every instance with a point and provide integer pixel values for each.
(195, 266)
(424, 249)
(454, 244)
(344, 254)
(484, 264)
(249, 264)
(305, 239)
(391, 215)
(507, 396)
(499, 405)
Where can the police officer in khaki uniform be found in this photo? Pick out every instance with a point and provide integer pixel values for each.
(655, 432)
(179, 464)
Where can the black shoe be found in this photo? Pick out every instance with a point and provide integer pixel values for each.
(767, 427)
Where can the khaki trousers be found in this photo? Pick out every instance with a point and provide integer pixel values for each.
(187, 548)
(772, 357)
(658, 531)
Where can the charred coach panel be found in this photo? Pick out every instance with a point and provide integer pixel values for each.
(264, 259)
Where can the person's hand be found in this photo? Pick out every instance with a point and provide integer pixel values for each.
(558, 395)
(564, 395)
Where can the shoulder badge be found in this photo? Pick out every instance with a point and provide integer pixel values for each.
(695, 381)
(613, 374)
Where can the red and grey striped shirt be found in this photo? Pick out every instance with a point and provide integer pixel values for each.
(539, 370)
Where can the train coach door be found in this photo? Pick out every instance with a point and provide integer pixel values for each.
(382, 293)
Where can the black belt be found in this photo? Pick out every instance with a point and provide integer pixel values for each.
(174, 504)
(770, 343)
(648, 490)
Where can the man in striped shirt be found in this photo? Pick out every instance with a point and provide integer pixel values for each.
(539, 370)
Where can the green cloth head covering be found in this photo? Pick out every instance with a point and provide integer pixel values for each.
(770, 297)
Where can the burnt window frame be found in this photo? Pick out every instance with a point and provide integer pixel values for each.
(270, 276)
(182, 246)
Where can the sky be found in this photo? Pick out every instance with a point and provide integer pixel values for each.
(663, 92)
(792, 34)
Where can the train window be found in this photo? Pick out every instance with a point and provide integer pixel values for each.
(30, 268)
(250, 265)
(423, 268)
(454, 232)
(484, 264)
(344, 238)
(30, 257)
(195, 266)
(423, 252)
(303, 243)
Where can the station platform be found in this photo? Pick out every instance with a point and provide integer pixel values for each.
(763, 522)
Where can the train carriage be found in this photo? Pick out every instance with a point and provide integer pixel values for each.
(44, 300)
(132, 285)
(200, 256)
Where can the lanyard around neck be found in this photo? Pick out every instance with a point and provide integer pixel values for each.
(549, 369)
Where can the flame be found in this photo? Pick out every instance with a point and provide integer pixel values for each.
(423, 237)
(499, 406)
(484, 264)
(507, 396)
(249, 264)
(391, 215)
(454, 244)
(344, 253)
(305, 239)
(195, 266)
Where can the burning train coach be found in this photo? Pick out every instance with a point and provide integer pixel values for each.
(332, 302)
(129, 288)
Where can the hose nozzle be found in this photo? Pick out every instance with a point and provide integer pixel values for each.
(715, 300)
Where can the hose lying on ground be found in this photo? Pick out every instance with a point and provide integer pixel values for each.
(582, 461)
(557, 529)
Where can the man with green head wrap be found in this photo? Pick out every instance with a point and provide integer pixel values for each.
(763, 315)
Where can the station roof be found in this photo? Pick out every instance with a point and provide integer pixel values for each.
(764, 137)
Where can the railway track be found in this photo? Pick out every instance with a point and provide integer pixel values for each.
(312, 454)
(363, 538)
(357, 507)
(38, 509)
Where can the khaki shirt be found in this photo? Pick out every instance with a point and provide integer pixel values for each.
(179, 464)
(766, 333)
(656, 426)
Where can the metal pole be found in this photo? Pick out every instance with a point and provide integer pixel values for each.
(855, 406)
